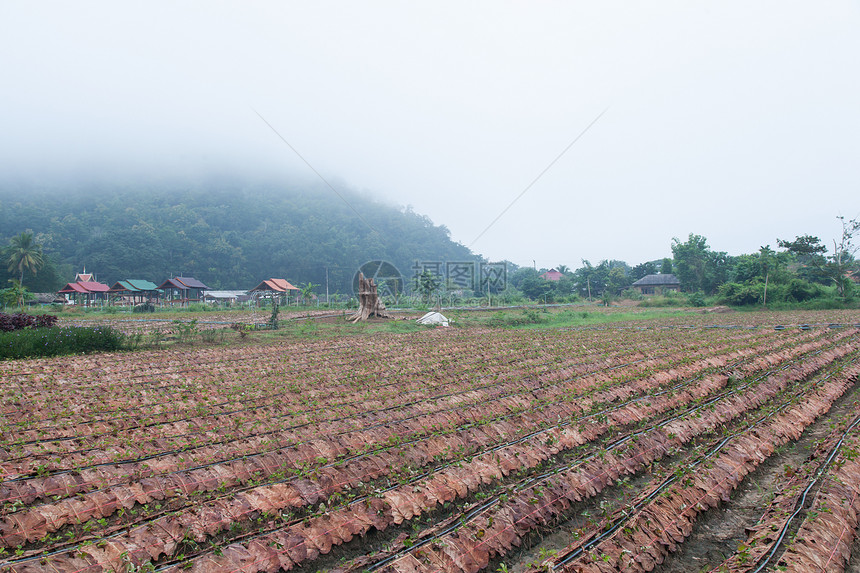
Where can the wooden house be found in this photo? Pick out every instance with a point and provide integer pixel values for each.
(85, 292)
(274, 289)
(134, 291)
(183, 290)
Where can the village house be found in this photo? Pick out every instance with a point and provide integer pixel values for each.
(657, 284)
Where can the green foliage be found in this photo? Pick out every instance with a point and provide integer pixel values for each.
(143, 308)
(736, 294)
(668, 300)
(799, 290)
(631, 294)
(273, 319)
(23, 254)
(185, 331)
(643, 270)
(696, 298)
(41, 342)
(697, 266)
(308, 292)
(426, 284)
(666, 267)
(228, 234)
(527, 316)
(569, 318)
(16, 295)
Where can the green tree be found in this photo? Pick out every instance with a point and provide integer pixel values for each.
(666, 268)
(697, 266)
(809, 257)
(589, 279)
(643, 270)
(537, 288)
(23, 254)
(426, 284)
(617, 280)
(14, 295)
(805, 247)
(308, 292)
(841, 263)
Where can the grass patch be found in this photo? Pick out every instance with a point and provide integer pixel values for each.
(57, 341)
(567, 318)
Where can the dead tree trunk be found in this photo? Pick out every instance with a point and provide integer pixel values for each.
(368, 301)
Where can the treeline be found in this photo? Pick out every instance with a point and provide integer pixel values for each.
(803, 270)
(228, 234)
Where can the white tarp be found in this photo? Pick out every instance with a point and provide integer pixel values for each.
(433, 318)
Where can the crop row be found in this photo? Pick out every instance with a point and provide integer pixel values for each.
(495, 529)
(174, 525)
(76, 482)
(284, 390)
(659, 526)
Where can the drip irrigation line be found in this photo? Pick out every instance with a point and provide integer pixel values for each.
(529, 482)
(475, 512)
(659, 489)
(476, 362)
(303, 425)
(595, 541)
(454, 462)
(767, 558)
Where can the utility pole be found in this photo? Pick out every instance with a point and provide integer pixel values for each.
(326, 286)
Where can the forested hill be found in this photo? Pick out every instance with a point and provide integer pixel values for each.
(229, 235)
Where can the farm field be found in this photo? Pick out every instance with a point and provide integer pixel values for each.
(690, 443)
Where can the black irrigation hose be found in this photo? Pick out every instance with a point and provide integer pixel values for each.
(485, 506)
(477, 510)
(228, 412)
(612, 445)
(659, 489)
(519, 390)
(671, 479)
(766, 559)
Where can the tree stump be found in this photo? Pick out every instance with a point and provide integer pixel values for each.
(368, 301)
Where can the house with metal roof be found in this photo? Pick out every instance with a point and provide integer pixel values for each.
(227, 296)
(134, 291)
(84, 292)
(657, 284)
(183, 290)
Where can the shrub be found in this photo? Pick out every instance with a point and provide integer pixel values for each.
(632, 294)
(55, 341)
(736, 294)
(696, 298)
(799, 290)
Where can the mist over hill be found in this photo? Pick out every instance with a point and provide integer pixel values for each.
(229, 233)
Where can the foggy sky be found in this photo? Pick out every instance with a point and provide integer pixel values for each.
(734, 120)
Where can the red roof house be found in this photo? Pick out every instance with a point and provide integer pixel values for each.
(273, 288)
(84, 292)
(552, 275)
(274, 285)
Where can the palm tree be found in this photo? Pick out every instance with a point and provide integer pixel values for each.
(23, 253)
